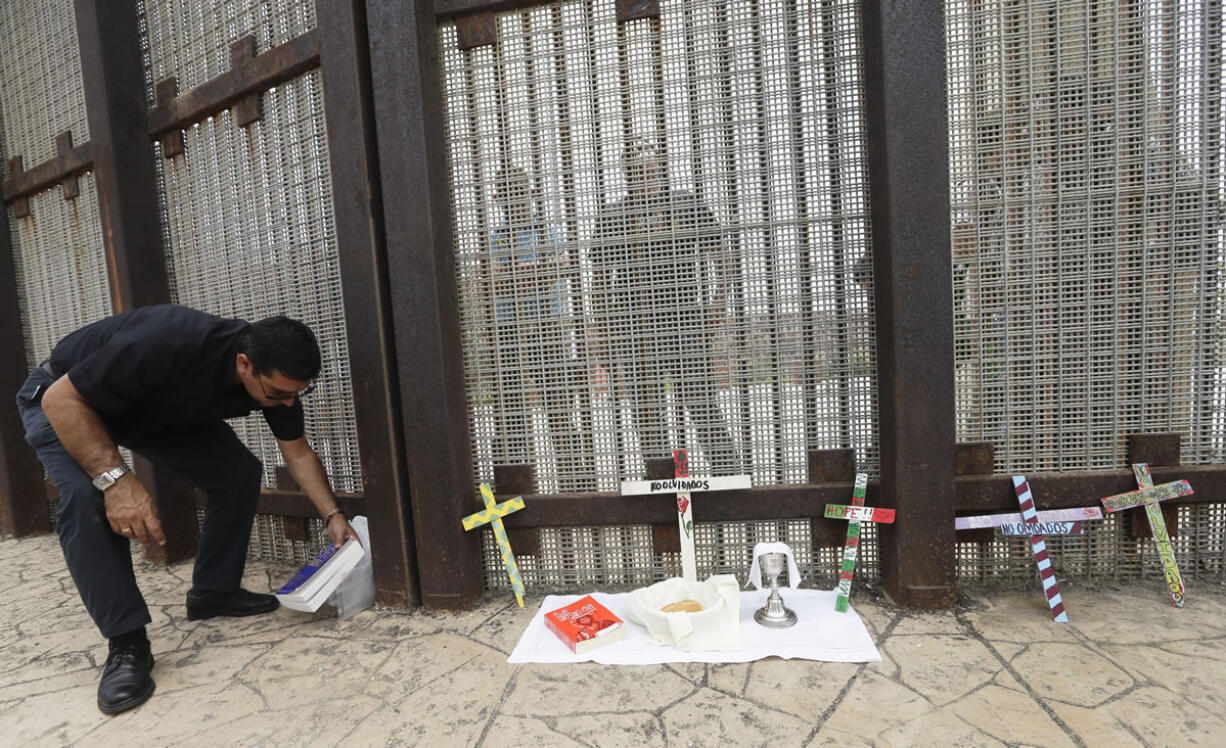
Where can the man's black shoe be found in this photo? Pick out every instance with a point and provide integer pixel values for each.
(238, 603)
(125, 677)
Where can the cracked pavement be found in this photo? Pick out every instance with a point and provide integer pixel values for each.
(1128, 670)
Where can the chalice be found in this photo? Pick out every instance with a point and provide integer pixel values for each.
(774, 614)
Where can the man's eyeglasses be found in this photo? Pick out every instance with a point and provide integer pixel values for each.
(279, 395)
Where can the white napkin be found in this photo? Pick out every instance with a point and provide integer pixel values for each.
(755, 573)
(716, 627)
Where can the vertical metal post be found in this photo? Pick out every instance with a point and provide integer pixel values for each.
(349, 107)
(23, 504)
(905, 103)
(114, 80)
(409, 116)
(123, 155)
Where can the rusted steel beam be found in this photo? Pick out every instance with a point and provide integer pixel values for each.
(70, 185)
(349, 106)
(248, 108)
(295, 503)
(660, 468)
(627, 10)
(296, 528)
(451, 8)
(634, 10)
(283, 479)
(992, 493)
(61, 169)
(114, 80)
(476, 30)
(1155, 450)
(665, 536)
(21, 205)
(250, 76)
(975, 458)
(23, 504)
(830, 466)
(908, 170)
(973, 494)
(172, 141)
(514, 480)
(175, 499)
(763, 502)
(410, 119)
(525, 541)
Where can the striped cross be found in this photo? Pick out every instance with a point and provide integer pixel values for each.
(1149, 495)
(493, 514)
(1051, 589)
(855, 514)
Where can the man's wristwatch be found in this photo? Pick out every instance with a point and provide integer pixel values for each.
(103, 481)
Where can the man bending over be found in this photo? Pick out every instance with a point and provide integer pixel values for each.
(161, 380)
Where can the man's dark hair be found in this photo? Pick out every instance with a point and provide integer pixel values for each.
(282, 344)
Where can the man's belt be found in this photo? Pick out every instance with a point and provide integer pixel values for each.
(49, 369)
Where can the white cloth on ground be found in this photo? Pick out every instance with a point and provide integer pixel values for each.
(821, 634)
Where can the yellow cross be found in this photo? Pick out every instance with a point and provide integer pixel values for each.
(493, 514)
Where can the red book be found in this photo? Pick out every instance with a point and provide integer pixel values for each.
(585, 625)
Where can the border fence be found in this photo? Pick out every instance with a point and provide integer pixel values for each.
(544, 244)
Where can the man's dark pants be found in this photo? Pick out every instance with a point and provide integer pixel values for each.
(210, 455)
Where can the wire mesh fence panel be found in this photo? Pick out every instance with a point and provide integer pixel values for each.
(657, 224)
(661, 240)
(60, 266)
(57, 249)
(40, 68)
(1087, 191)
(58, 253)
(190, 39)
(249, 215)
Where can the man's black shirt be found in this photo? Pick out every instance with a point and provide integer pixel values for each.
(161, 368)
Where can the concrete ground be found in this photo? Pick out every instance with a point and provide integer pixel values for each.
(1128, 670)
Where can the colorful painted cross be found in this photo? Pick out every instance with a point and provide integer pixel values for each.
(1149, 495)
(682, 485)
(1051, 588)
(855, 514)
(493, 514)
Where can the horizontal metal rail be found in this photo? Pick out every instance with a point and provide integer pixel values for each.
(256, 75)
(71, 163)
(973, 494)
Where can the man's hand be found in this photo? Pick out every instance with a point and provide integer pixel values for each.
(129, 509)
(339, 530)
(130, 512)
(308, 472)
